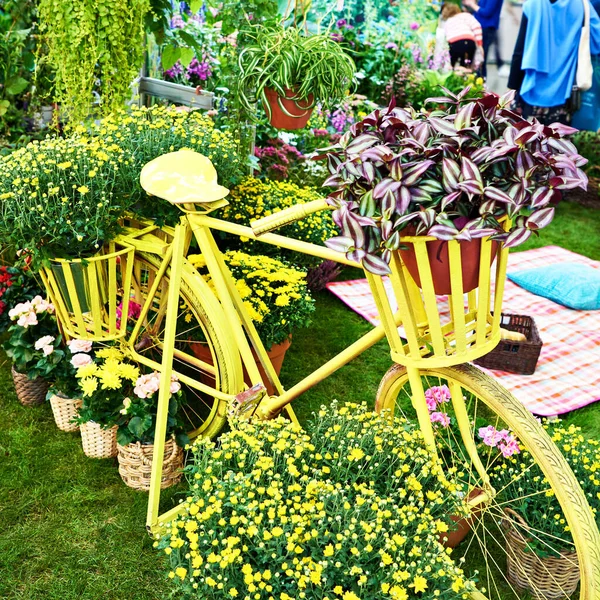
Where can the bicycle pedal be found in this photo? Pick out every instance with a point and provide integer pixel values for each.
(244, 405)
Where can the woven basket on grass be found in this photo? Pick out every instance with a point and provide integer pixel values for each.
(30, 392)
(135, 465)
(548, 578)
(64, 411)
(98, 442)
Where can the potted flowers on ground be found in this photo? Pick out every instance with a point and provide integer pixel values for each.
(330, 512)
(34, 347)
(474, 170)
(104, 380)
(276, 298)
(289, 71)
(135, 436)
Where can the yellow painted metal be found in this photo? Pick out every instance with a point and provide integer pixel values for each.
(164, 393)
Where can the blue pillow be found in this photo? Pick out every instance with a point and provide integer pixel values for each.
(570, 284)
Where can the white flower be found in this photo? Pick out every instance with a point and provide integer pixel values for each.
(22, 308)
(175, 385)
(79, 346)
(45, 344)
(126, 405)
(40, 305)
(80, 360)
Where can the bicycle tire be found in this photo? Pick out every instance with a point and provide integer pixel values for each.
(210, 319)
(562, 481)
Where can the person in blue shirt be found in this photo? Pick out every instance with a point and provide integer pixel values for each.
(487, 12)
(544, 64)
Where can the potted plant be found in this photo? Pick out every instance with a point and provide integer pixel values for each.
(276, 298)
(289, 71)
(135, 435)
(540, 556)
(104, 381)
(34, 347)
(362, 482)
(473, 170)
(64, 393)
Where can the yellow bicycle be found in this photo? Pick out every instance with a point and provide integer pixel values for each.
(178, 310)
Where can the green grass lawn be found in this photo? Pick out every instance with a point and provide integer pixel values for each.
(70, 529)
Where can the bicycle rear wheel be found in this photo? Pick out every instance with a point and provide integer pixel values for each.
(203, 344)
(495, 501)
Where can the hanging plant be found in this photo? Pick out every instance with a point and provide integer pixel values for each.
(93, 40)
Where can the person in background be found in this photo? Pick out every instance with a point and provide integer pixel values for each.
(463, 34)
(487, 12)
(544, 63)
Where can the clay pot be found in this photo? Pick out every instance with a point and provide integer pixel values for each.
(437, 251)
(299, 110)
(463, 525)
(276, 354)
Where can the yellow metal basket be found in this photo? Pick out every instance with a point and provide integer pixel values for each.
(87, 293)
(472, 327)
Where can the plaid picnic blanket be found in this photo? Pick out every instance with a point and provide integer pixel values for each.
(568, 371)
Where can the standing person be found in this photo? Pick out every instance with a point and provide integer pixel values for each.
(544, 64)
(487, 12)
(463, 34)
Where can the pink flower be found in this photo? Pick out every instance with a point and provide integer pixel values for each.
(45, 344)
(510, 446)
(175, 385)
(440, 417)
(436, 395)
(20, 309)
(147, 385)
(414, 26)
(80, 360)
(79, 346)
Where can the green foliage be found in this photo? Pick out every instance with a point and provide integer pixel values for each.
(90, 40)
(343, 500)
(286, 59)
(58, 196)
(34, 343)
(588, 145)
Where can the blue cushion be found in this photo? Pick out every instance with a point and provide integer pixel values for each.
(570, 284)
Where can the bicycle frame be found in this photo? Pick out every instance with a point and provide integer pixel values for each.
(200, 225)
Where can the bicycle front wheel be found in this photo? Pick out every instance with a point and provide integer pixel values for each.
(203, 350)
(512, 479)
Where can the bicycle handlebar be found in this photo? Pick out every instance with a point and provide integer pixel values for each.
(287, 216)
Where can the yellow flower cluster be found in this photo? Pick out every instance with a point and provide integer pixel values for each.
(112, 372)
(253, 199)
(274, 294)
(350, 510)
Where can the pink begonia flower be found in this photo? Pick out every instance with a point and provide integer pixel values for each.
(147, 385)
(509, 447)
(438, 394)
(45, 344)
(40, 305)
(440, 417)
(80, 360)
(175, 385)
(414, 26)
(76, 346)
(27, 319)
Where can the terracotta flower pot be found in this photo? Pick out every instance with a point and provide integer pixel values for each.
(299, 110)
(440, 264)
(463, 525)
(276, 354)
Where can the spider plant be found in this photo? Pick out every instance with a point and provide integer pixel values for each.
(312, 68)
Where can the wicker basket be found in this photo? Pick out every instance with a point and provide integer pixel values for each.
(98, 442)
(30, 392)
(135, 465)
(64, 411)
(547, 578)
(512, 356)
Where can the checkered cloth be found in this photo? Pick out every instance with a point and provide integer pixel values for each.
(568, 371)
